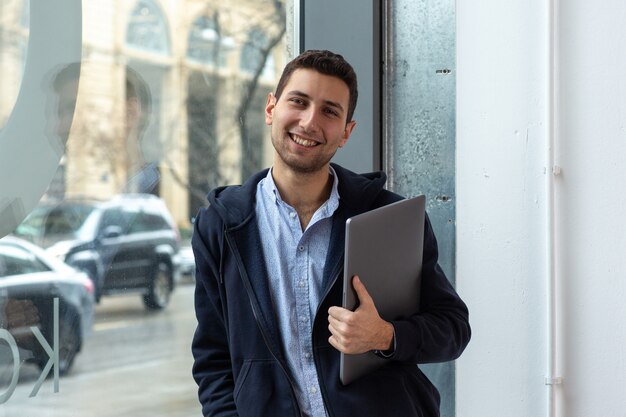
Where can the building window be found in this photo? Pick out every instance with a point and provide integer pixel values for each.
(207, 45)
(147, 28)
(253, 51)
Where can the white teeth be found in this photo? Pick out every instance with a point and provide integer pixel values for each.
(302, 141)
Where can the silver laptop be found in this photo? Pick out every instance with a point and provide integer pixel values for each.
(384, 248)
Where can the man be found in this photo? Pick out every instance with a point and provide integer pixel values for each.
(269, 258)
(142, 177)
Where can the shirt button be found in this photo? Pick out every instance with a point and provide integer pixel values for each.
(300, 248)
(307, 355)
(302, 283)
(292, 214)
(312, 390)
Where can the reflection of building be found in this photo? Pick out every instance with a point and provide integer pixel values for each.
(198, 58)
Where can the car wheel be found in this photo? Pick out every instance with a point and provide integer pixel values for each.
(160, 288)
(69, 346)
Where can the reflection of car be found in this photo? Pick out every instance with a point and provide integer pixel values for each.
(186, 262)
(30, 279)
(126, 244)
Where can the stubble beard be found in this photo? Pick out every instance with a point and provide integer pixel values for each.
(296, 164)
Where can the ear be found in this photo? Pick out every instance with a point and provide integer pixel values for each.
(347, 132)
(269, 108)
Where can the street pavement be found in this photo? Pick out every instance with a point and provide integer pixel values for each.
(136, 363)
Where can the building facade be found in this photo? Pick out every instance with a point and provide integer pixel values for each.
(207, 66)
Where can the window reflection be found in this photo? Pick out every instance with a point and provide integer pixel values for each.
(207, 45)
(14, 26)
(25, 18)
(252, 55)
(170, 104)
(31, 314)
(147, 28)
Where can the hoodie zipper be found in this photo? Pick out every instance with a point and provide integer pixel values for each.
(323, 386)
(256, 314)
(222, 251)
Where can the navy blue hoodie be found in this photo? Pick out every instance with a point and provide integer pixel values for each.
(239, 365)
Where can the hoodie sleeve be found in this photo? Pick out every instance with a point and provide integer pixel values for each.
(440, 331)
(212, 369)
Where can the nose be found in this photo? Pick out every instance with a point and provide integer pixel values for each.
(308, 120)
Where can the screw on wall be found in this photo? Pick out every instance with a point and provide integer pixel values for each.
(444, 71)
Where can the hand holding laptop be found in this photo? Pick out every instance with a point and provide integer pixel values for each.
(361, 330)
(384, 247)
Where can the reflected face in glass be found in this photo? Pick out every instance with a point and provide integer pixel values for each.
(308, 121)
(66, 106)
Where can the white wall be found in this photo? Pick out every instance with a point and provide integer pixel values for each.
(502, 137)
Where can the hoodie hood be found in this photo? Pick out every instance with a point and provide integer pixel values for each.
(235, 204)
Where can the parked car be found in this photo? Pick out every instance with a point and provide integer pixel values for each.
(186, 262)
(30, 279)
(126, 244)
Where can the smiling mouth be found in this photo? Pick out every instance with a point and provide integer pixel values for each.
(303, 142)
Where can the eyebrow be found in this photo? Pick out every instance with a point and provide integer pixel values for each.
(305, 95)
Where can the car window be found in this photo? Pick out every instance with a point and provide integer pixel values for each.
(17, 261)
(151, 222)
(54, 221)
(127, 219)
(111, 217)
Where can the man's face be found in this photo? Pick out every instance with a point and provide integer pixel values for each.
(66, 107)
(308, 121)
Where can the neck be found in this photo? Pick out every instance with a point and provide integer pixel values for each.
(134, 154)
(305, 192)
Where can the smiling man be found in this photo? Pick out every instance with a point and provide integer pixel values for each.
(269, 255)
(310, 121)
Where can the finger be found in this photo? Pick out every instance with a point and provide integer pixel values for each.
(334, 343)
(339, 313)
(336, 327)
(361, 291)
(335, 337)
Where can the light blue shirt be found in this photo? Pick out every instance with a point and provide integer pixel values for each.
(295, 262)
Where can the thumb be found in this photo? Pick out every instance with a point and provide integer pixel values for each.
(361, 291)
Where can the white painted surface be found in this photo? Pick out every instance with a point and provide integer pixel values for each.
(502, 117)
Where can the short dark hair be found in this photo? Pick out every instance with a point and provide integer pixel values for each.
(68, 73)
(327, 63)
(137, 88)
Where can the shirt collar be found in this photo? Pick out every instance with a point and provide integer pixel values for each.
(270, 190)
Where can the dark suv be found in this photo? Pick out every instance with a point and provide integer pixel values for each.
(126, 244)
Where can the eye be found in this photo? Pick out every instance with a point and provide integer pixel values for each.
(297, 100)
(331, 112)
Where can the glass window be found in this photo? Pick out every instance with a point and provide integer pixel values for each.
(53, 220)
(148, 222)
(13, 55)
(113, 217)
(17, 261)
(136, 110)
(252, 56)
(25, 17)
(206, 44)
(147, 28)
